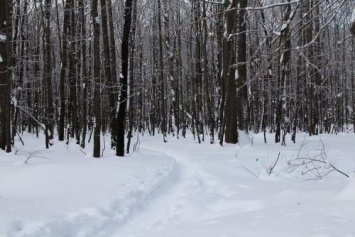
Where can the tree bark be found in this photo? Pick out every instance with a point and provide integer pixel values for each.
(114, 96)
(5, 87)
(97, 85)
(121, 115)
(163, 124)
(230, 112)
(242, 86)
(49, 110)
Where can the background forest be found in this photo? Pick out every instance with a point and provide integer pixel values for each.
(80, 69)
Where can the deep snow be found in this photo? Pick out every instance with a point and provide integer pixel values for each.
(181, 188)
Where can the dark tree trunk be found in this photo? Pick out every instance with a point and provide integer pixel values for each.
(84, 74)
(5, 125)
(198, 74)
(131, 76)
(107, 68)
(49, 110)
(230, 112)
(73, 77)
(64, 69)
(285, 47)
(206, 77)
(114, 81)
(97, 85)
(161, 75)
(121, 115)
(242, 86)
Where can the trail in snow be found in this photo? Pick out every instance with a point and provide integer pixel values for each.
(211, 194)
(192, 194)
(179, 188)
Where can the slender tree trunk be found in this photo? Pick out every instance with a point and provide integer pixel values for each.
(179, 75)
(206, 77)
(97, 85)
(72, 76)
(131, 77)
(49, 110)
(114, 81)
(83, 73)
(121, 115)
(285, 47)
(5, 62)
(161, 75)
(242, 86)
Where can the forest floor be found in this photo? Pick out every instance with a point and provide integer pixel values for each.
(181, 189)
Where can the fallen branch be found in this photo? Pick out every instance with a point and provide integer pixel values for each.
(318, 164)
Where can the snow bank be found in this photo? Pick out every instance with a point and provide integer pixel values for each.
(180, 188)
(62, 192)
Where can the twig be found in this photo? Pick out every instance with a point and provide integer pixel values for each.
(18, 134)
(249, 171)
(319, 171)
(275, 163)
(341, 172)
(33, 154)
(82, 151)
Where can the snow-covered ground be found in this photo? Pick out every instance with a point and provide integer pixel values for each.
(181, 188)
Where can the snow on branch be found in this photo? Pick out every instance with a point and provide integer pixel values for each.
(352, 22)
(272, 5)
(38, 122)
(2, 38)
(216, 2)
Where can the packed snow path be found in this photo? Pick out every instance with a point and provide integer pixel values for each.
(211, 194)
(192, 194)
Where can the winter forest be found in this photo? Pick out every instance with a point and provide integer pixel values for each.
(266, 87)
(80, 69)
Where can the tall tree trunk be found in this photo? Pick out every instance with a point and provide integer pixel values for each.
(121, 115)
(5, 62)
(230, 112)
(85, 81)
(114, 81)
(206, 77)
(107, 68)
(161, 74)
(72, 76)
(64, 69)
(198, 74)
(49, 110)
(131, 77)
(285, 58)
(97, 84)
